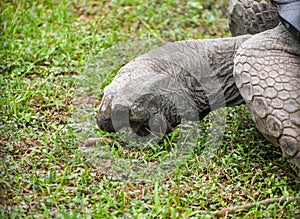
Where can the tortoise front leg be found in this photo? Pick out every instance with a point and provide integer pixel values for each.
(267, 71)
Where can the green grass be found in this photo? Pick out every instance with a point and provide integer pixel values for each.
(55, 59)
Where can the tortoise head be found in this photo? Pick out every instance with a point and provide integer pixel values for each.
(148, 113)
(149, 94)
(146, 102)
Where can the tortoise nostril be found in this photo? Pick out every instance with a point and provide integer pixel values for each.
(104, 120)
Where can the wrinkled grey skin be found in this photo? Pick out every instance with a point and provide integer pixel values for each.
(181, 80)
(188, 79)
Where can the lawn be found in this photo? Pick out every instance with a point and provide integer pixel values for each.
(55, 59)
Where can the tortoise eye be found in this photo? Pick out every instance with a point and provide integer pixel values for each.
(152, 107)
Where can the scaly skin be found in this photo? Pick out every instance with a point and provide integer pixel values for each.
(267, 71)
(181, 80)
(251, 16)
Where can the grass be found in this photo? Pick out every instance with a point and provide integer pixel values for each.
(55, 59)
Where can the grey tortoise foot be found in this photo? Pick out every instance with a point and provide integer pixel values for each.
(267, 71)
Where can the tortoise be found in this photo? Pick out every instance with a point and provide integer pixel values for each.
(259, 65)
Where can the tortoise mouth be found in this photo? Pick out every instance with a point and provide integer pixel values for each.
(147, 127)
(141, 129)
(142, 122)
(144, 129)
